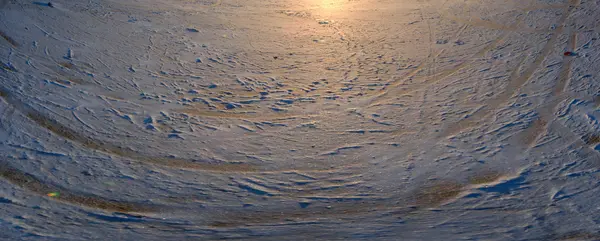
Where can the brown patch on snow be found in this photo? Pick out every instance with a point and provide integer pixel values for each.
(33, 184)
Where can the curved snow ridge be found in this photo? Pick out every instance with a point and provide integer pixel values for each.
(87, 142)
(34, 185)
(432, 195)
(172, 162)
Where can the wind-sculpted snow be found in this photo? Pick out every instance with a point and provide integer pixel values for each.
(296, 120)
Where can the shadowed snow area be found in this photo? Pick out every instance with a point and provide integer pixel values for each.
(300, 119)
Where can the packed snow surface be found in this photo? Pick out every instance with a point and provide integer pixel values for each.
(300, 119)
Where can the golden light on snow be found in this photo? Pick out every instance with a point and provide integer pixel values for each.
(330, 4)
(282, 118)
(327, 5)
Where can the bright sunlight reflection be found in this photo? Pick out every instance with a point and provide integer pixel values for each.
(328, 5)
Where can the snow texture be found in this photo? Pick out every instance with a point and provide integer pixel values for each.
(300, 119)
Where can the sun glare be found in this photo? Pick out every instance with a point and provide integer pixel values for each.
(328, 5)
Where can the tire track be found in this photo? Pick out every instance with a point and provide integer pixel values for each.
(67, 133)
(375, 101)
(429, 195)
(8, 39)
(533, 131)
(540, 126)
(545, 122)
(447, 73)
(565, 72)
(477, 22)
(53, 192)
(87, 142)
(546, 113)
(486, 24)
(515, 84)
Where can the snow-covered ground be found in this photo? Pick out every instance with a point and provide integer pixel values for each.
(300, 119)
